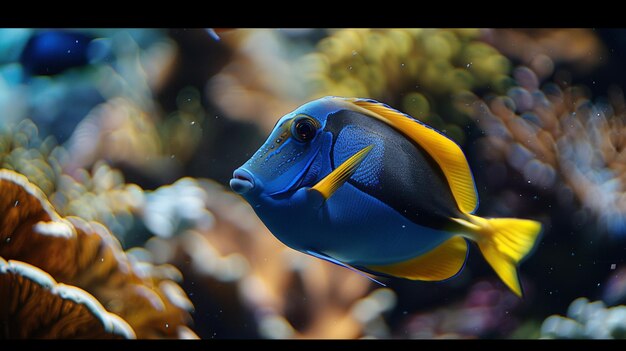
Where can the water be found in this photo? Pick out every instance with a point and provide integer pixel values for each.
(120, 128)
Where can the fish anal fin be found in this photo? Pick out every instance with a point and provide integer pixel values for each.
(335, 179)
(341, 264)
(441, 263)
(443, 150)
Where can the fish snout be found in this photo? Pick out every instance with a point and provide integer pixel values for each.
(242, 181)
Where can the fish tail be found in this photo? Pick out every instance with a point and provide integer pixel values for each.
(504, 242)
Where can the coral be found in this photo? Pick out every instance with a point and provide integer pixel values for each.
(381, 63)
(247, 88)
(86, 255)
(100, 195)
(131, 64)
(415, 70)
(34, 306)
(103, 110)
(231, 251)
(486, 311)
(553, 135)
(172, 209)
(113, 134)
(117, 131)
(615, 287)
(542, 49)
(121, 132)
(587, 320)
(23, 150)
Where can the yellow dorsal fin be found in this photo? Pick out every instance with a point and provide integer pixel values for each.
(443, 150)
(442, 262)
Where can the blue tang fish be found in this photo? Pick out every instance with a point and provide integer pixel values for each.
(362, 185)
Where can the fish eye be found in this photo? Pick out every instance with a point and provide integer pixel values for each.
(304, 129)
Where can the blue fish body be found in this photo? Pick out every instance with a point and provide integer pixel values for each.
(354, 182)
(352, 227)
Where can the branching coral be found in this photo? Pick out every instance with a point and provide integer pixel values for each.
(100, 195)
(543, 48)
(56, 253)
(380, 63)
(587, 320)
(486, 311)
(415, 70)
(116, 131)
(419, 71)
(555, 133)
(123, 133)
(86, 255)
(247, 88)
(615, 287)
(23, 150)
(105, 64)
(110, 97)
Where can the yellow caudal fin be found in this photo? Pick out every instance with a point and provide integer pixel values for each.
(440, 263)
(504, 242)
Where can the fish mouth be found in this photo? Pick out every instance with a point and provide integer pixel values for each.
(242, 181)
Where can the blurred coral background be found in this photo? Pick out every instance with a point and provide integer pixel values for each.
(117, 145)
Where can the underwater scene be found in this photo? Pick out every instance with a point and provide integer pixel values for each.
(323, 183)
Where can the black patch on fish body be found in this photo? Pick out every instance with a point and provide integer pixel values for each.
(410, 181)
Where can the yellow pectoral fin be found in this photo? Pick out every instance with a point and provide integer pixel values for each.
(441, 263)
(341, 174)
(443, 150)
